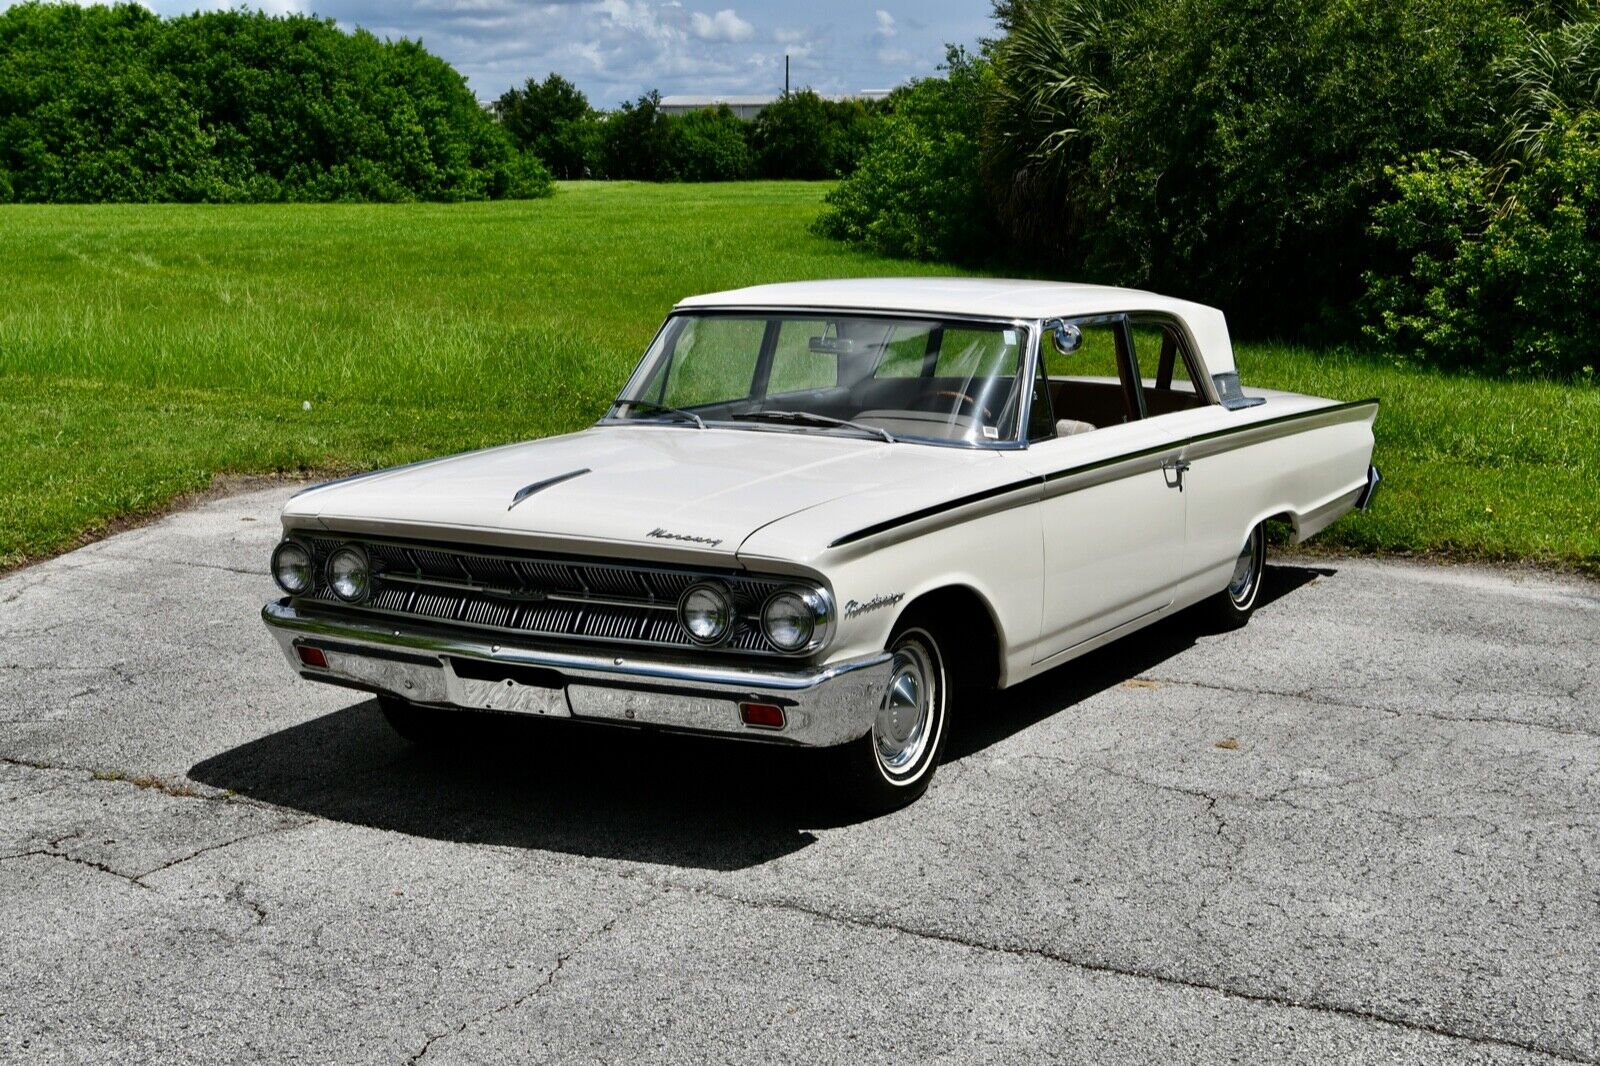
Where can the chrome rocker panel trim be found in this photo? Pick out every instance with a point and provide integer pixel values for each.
(823, 706)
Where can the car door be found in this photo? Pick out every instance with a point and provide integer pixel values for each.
(1113, 507)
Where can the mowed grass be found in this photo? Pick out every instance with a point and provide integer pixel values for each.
(144, 349)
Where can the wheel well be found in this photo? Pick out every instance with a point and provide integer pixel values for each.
(1282, 528)
(977, 654)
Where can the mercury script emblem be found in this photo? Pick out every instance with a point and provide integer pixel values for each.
(855, 607)
(662, 534)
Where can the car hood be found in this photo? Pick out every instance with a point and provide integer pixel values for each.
(668, 488)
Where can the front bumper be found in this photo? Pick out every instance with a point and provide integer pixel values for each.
(823, 705)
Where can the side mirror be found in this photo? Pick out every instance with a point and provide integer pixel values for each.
(1067, 338)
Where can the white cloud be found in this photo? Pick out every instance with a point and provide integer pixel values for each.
(725, 25)
(616, 49)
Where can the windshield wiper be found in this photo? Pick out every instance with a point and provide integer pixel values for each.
(814, 419)
(651, 405)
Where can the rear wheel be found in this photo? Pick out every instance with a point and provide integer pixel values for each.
(894, 763)
(1233, 606)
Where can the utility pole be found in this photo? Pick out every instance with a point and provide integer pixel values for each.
(786, 73)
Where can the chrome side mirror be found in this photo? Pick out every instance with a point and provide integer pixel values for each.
(1067, 338)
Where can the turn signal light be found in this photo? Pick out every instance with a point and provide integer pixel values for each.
(312, 656)
(765, 715)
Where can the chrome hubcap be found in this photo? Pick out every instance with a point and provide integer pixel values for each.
(903, 730)
(1247, 569)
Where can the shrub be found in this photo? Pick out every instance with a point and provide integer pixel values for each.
(708, 145)
(1499, 277)
(918, 191)
(105, 103)
(803, 136)
(1228, 149)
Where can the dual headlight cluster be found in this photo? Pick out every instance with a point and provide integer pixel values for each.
(791, 618)
(348, 573)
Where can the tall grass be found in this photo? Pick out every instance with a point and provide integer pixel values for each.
(144, 348)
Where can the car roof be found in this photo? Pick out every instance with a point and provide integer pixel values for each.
(1004, 298)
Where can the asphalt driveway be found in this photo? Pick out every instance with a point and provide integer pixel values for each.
(1367, 827)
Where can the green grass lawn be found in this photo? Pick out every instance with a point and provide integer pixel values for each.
(144, 349)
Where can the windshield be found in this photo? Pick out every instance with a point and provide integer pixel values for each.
(891, 378)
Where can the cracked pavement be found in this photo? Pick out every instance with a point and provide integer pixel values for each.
(1364, 828)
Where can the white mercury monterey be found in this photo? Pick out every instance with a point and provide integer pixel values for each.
(824, 514)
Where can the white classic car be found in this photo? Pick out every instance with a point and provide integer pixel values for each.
(821, 514)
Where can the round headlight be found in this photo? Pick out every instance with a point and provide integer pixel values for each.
(706, 611)
(348, 574)
(291, 568)
(788, 620)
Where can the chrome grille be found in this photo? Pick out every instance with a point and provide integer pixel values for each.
(540, 596)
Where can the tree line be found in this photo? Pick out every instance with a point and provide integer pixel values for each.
(118, 104)
(1422, 174)
(799, 136)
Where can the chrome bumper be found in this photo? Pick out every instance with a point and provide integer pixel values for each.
(823, 705)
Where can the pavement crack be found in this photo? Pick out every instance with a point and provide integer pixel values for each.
(219, 845)
(79, 860)
(1310, 696)
(236, 895)
(1350, 1011)
(533, 992)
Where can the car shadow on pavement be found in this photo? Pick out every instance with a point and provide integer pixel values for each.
(617, 793)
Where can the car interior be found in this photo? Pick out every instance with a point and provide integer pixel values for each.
(1098, 380)
(938, 380)
(931, 380)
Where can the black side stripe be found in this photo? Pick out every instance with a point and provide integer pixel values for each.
(978, 497)
(938, 508)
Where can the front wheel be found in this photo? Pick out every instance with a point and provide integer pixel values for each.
(1233, 606)
(894, 763)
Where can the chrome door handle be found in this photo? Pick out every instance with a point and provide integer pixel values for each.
(1173, 471)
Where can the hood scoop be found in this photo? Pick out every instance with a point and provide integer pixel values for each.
(539, 486)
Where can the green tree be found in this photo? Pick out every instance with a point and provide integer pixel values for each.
(636, 141)
(794, 137)
(553, 120)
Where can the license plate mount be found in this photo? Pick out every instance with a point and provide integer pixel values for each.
(513, 696)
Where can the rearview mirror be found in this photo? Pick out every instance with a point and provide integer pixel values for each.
(833, 345)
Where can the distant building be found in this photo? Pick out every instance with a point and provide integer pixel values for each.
(749, 106)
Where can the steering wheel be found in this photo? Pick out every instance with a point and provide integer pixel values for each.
(962, 397)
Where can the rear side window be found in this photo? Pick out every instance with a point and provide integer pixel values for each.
(1163, 356)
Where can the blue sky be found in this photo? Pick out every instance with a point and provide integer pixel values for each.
(616, 49)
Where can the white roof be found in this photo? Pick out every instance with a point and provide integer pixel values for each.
(983, 297)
